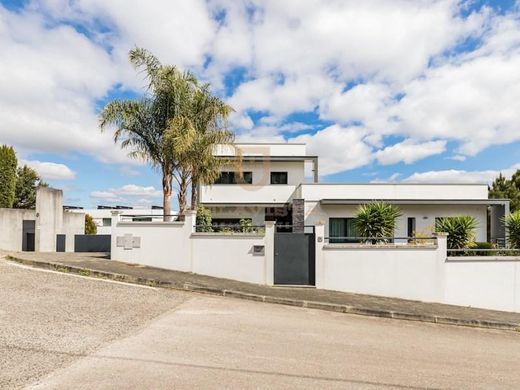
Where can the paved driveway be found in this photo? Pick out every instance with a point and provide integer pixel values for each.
(213, 342)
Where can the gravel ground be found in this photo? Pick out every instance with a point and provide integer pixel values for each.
(48, 320)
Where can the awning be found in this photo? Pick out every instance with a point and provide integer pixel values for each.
(486, 202)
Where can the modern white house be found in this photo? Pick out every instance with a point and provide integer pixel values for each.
(268, 182)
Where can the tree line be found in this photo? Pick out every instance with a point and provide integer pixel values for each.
(503, 188)
(174, 127)
(17, 184)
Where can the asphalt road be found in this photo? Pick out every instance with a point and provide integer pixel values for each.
(200, 341)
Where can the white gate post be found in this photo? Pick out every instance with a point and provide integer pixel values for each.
(319, 236)
(269, 252)
(116, 218)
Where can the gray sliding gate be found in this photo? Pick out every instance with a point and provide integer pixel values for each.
(294, 258)
(92, 243)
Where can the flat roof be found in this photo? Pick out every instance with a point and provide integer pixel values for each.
(268, 158)
(394, 184)
(269, 143)
(416, 201)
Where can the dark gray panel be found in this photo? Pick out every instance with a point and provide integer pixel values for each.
(92, 243)
(294, 259)
(60, 243)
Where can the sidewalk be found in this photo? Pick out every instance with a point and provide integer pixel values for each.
(96, 266)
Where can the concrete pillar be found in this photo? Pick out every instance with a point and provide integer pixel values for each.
(440, 273)
(298, 215)
(269, 252)
(116, 218)
(190, 220)
(319, 236)
(49, 218)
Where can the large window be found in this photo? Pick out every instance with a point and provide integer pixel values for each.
(278, 177)
(342, 228)
(234, 178)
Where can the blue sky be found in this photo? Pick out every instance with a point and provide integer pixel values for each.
(424, 91)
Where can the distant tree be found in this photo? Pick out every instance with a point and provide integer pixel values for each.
(8, 163)
(27, 181)
(503, 188)
(90, 225)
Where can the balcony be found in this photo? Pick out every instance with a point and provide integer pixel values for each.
(246, 194)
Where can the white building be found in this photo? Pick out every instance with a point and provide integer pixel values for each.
(102, 215)
(267, 181)
(47, 228)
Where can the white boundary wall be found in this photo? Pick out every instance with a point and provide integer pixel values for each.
(175, 246)
(423, 273)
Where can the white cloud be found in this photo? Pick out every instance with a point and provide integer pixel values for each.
(129, 194)
(50, 170)
(339, 148)
(298, 56)
(409, 151)
(50, 78)
(460, 176)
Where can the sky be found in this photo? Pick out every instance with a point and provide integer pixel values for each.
(380, 90)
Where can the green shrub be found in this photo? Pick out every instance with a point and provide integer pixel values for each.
(90, 226)
(8, 163)
(513, 229)
(204, 220)
(377, 219)
(482, 245)
(246, 225)
(460, 229)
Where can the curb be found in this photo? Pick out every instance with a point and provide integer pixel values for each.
(338, 308)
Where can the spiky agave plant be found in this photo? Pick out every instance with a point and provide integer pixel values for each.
(512, 222)
(460, 229)
(377, 219)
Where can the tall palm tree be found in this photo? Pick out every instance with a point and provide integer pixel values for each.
(194, 137)
(141, 124)
(210, 115)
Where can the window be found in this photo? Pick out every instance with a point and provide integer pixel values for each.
(343, 228)
(234, 178)
(247, 178)
(411, 227)
(107, 221)
(278, 177)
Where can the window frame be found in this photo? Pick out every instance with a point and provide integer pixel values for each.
(279, 173)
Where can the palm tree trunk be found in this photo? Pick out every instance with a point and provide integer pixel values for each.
(183, 189)
(194, 193)
(167, 193)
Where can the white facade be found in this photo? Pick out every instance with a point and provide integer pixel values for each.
(422, 203)
(102, 217)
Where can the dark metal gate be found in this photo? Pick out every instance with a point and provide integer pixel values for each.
(294, 258)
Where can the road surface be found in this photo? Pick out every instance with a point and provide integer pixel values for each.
(59, 331)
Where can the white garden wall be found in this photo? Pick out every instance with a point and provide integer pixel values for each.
(491, 283)
(175, 246)
(407, 272)
(228, 256)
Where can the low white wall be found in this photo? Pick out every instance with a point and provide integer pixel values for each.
(407, 272)
(175, 246)
(486, 282)
(419, 273)
(228, 256)
(162, 244)
(11, 227)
